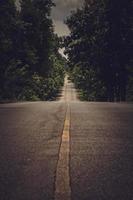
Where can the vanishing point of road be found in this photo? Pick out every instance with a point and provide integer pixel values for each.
(66, 149)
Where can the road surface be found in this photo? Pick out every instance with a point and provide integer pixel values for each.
(66, 150)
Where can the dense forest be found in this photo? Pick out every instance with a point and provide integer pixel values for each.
(100, 49)
(31, 67)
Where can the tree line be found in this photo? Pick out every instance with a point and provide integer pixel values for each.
(31, 67)
(100, 48)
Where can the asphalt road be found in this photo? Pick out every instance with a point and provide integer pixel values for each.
(87, 145)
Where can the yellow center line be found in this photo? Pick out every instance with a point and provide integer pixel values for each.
(62, 183)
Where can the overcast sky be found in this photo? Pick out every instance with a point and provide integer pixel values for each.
(61, 11)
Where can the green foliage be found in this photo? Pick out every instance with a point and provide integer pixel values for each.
(30, 65)
(130, 84)
(91, 88)
(7, 27)
(99, 48)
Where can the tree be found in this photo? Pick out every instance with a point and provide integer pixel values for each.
(99, 48)
(118, 37)
(38, 30)
(39, 40)
(30, 65)
(7, 26)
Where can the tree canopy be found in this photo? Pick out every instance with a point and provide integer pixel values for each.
(100, 48)
(31, 67)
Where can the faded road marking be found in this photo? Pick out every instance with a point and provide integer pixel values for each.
(62, 183)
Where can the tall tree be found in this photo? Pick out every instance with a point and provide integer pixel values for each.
(99, 48)
(7, 28)
(30, 65)
(38, 30)
(118, 37)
